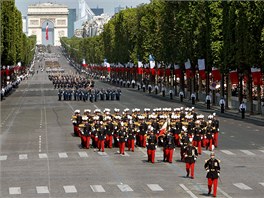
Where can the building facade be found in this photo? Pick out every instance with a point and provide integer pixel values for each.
(49, 22)
(71, 20)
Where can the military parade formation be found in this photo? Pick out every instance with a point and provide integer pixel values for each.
(79, 88)
(160, 127)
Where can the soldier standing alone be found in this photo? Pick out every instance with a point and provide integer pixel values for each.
(212, 167)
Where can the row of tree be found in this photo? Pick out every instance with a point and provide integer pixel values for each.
(15, 46)
(227, 34)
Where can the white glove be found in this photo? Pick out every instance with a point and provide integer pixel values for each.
(201, 138)
(185, 155)
(156, 146)
(218, 174)
(174, 149)
(117, 139)
(195, 158)
(207, 170)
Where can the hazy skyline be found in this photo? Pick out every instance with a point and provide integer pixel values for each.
(108, 5)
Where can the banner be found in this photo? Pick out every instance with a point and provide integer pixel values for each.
(151, 61)
(189, 73)
(256, 76)
(216, 74)
(201, 67)
(168, 72)
(84, 63)
(47, 32)
(234, 77)
(177, 71)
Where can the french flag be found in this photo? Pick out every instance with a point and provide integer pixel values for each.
(47, 32)
(84, 63)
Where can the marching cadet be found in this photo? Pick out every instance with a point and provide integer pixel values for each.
(118, 94)
(131, 137)
(190, 159)
(197, 139)
(86, 134)
(170, 146)
(222, 104)
(208, 101)
(212, 166)
(181, 95)
(60, 94)
(149, 88)
(215, 125)
(242, 109)
(209, 136)
(109, 132)
(122, 138)
(143, 132)
(184, 140)
(101, 137)
(193, 97)
(151, 146)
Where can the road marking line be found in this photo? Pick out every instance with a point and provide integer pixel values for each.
(261, 151)
(63, 155)
(42, 189)
(125, 188)
(242, 186)
(188, 191)
(83, 154)
(227, 152)
(97, 188)
(23, 156)
(247, 152)
(224, 193)
(70, 189)
(261, 183)
(14, 190)
(102, 153)
(3, 157)
(43, 156)
(155, 187)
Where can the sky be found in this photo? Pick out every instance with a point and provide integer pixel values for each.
(108, 5)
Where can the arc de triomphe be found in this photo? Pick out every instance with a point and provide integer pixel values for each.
(52, 16)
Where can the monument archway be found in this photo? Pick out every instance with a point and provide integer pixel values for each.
(56, 15)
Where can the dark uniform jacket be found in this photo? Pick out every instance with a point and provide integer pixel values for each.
(213, 166)
(122, 136)
(151, 142)
(170, 142)
(191, 154)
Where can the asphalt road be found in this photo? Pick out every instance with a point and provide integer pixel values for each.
(39, 157)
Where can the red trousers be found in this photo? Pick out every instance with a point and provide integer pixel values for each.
(177, 139)
(142, 140)
(131, 144)
(76, 131)
(101, 145)
(151, 155)
(216, 139)
(170, 154)
(122, 147)
(209, 143)
(199, 145)
(190, 166)
(165, 154)
(109, 141)
(210, 183)
(85, 141)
